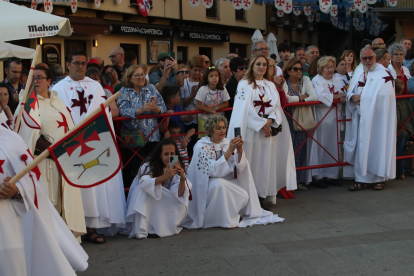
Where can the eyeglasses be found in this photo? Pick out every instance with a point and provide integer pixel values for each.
(38, 79)
(297, 69)
(221, 128)
(110, 72)
(78, 64)
(263, 49)
(138, 76)
(370, 58)
(112, 56)
(241, 68)
(401, 55)
(184, 72)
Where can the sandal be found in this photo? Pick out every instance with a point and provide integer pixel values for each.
(357, 187)
(379, 186)
(95, 238)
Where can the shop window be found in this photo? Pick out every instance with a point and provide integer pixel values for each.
(213, 12)
(71, 45)
(182, 54)
(239, 49)
(207, 52)
(240, 15)
(132, 49)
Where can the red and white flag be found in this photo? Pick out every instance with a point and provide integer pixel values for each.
(324, 5)
(392, 3)
(353, 8)
(364, 7)
(143, 7)
(280, 13)
(194, 3)
(296, 11)
(33, 4)
(307, 10)
(48, 6)
(348, 11)
(247, 4)
(334, 20)
(318, 17)
(358, 4)
(341, 25)
(208, 3)
(311, 17)
(280, 4)
(288, 6)
(355, 22)
(97, 3)
(74, 5)
(334, 10)
(238, 4)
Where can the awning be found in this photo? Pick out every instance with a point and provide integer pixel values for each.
(195, 34)
(141, 29)
(89, 25)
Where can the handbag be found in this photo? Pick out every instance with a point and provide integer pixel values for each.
(41, 145)
(304, 116)
(133, 138)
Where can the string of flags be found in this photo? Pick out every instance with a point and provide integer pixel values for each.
(317, 10)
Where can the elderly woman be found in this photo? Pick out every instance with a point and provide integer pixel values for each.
(55, 120)
(7, 105)
(328, 88)
(350, 60)
(258, 114)
(398, 71)
(138, 97)
(298, 88)
(341, 71)
(219, 198)
(223, 65)
(110, 72)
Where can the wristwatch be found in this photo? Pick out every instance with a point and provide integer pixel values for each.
(17, 196)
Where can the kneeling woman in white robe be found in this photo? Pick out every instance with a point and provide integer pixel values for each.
(158, 198)
(220, 199)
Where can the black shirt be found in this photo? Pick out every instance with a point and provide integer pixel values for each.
(231, 87)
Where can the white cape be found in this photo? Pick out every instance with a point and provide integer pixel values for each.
(371, 136)
(218, 199)
(104, 204)
(49, 246)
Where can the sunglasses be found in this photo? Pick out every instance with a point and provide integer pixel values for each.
(367, 58)
(184, 72)
(297, 69)
(241, 68)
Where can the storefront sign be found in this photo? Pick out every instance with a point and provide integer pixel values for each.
(204, 35)
(51, 53)
(142, 30)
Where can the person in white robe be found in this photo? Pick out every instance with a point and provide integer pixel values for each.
(104, 205)
(34, 238)
(341, 71)
(370, 138)
(328, 88)
(159, 195)
(258, 113)
(55, 121)
(224, 193)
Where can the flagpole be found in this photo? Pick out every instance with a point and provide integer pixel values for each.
(26, 89)
(46, 153)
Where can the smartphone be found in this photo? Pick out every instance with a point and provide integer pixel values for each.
(169, 58)
(173, 160)
(152, 99)
(237, 132)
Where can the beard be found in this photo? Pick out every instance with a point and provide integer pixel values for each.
(369, 69)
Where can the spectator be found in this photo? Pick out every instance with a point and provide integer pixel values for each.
(312, 70)
(328, 88)
(238, 67)
(13, 72)
(116, 56)
(110, 72)
(273, 56)
(378, 43)
(284, 52)
(406, 43)
(223, 65)
(138, 97)
(100, 61)
(145, 68)
(410, 87)
(158, 199)
(189, 92)
(260, 47)
(132, 58)
(220, 200)
(383, 57)
(300, 54)
(350, 60)
(57, 73)
(124, 69)
(167, 73)
(96, 75)
(258, 113)
(43, 65)
(93, 63)
(341, 71)
(153, 70)
(398, 71)
(23, 76)
(206, 61)
(277, 80)
(409, 58)
(231, 56)
(183, 69)
(312, 51)
(211, 96)
(404, 111)
(298, 88)
(7, 105)
(180, 141)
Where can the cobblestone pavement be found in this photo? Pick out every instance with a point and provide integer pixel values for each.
(326, 232)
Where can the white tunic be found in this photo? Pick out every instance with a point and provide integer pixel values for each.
(271, 159)
(219, 200)
(155, 209)
(327, 132)
(370, 141)
(104, 204)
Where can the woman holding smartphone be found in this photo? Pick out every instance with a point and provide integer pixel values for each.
(158, 198)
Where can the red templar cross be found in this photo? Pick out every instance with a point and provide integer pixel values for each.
(82, 143)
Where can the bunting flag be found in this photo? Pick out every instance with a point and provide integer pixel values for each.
(324, 5)
(334, 20)
(392, 3)
(89, 155)
(334, 10)
(363, 7)
(31, 114)
(48, 6)
(280, 13)
(97, 3)
(33, 4)
(307, 10)
(288, 6)
(143, 7)
(355, 22)
(238, 4)
(353, 8)
(347, 25)
(311, 17)
(318, 17)
(371, 2)
(296, 11)
(247, 4)
(208, 3)
(74, 5)
(280, 5)
(194, 3)
(348, 11)
(341, 25)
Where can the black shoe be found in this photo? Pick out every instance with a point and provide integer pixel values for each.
(321, 184)
(333, 182)
(263, 204)
(153, 236)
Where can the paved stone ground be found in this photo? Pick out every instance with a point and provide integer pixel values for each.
(326, 232)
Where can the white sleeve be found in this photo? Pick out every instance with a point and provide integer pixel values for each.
(175, 185)
(200, 94)
(309, 90)
(147, 184)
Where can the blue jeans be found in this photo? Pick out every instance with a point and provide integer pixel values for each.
(400, 152)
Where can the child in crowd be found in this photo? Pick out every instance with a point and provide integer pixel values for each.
(180, 141)
(211, 97)
(404, 111)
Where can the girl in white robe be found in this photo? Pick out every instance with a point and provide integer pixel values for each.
(220, 199)
(158, 198)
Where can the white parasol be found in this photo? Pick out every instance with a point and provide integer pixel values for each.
(9, 50)
(271, 41)
(257, 35)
